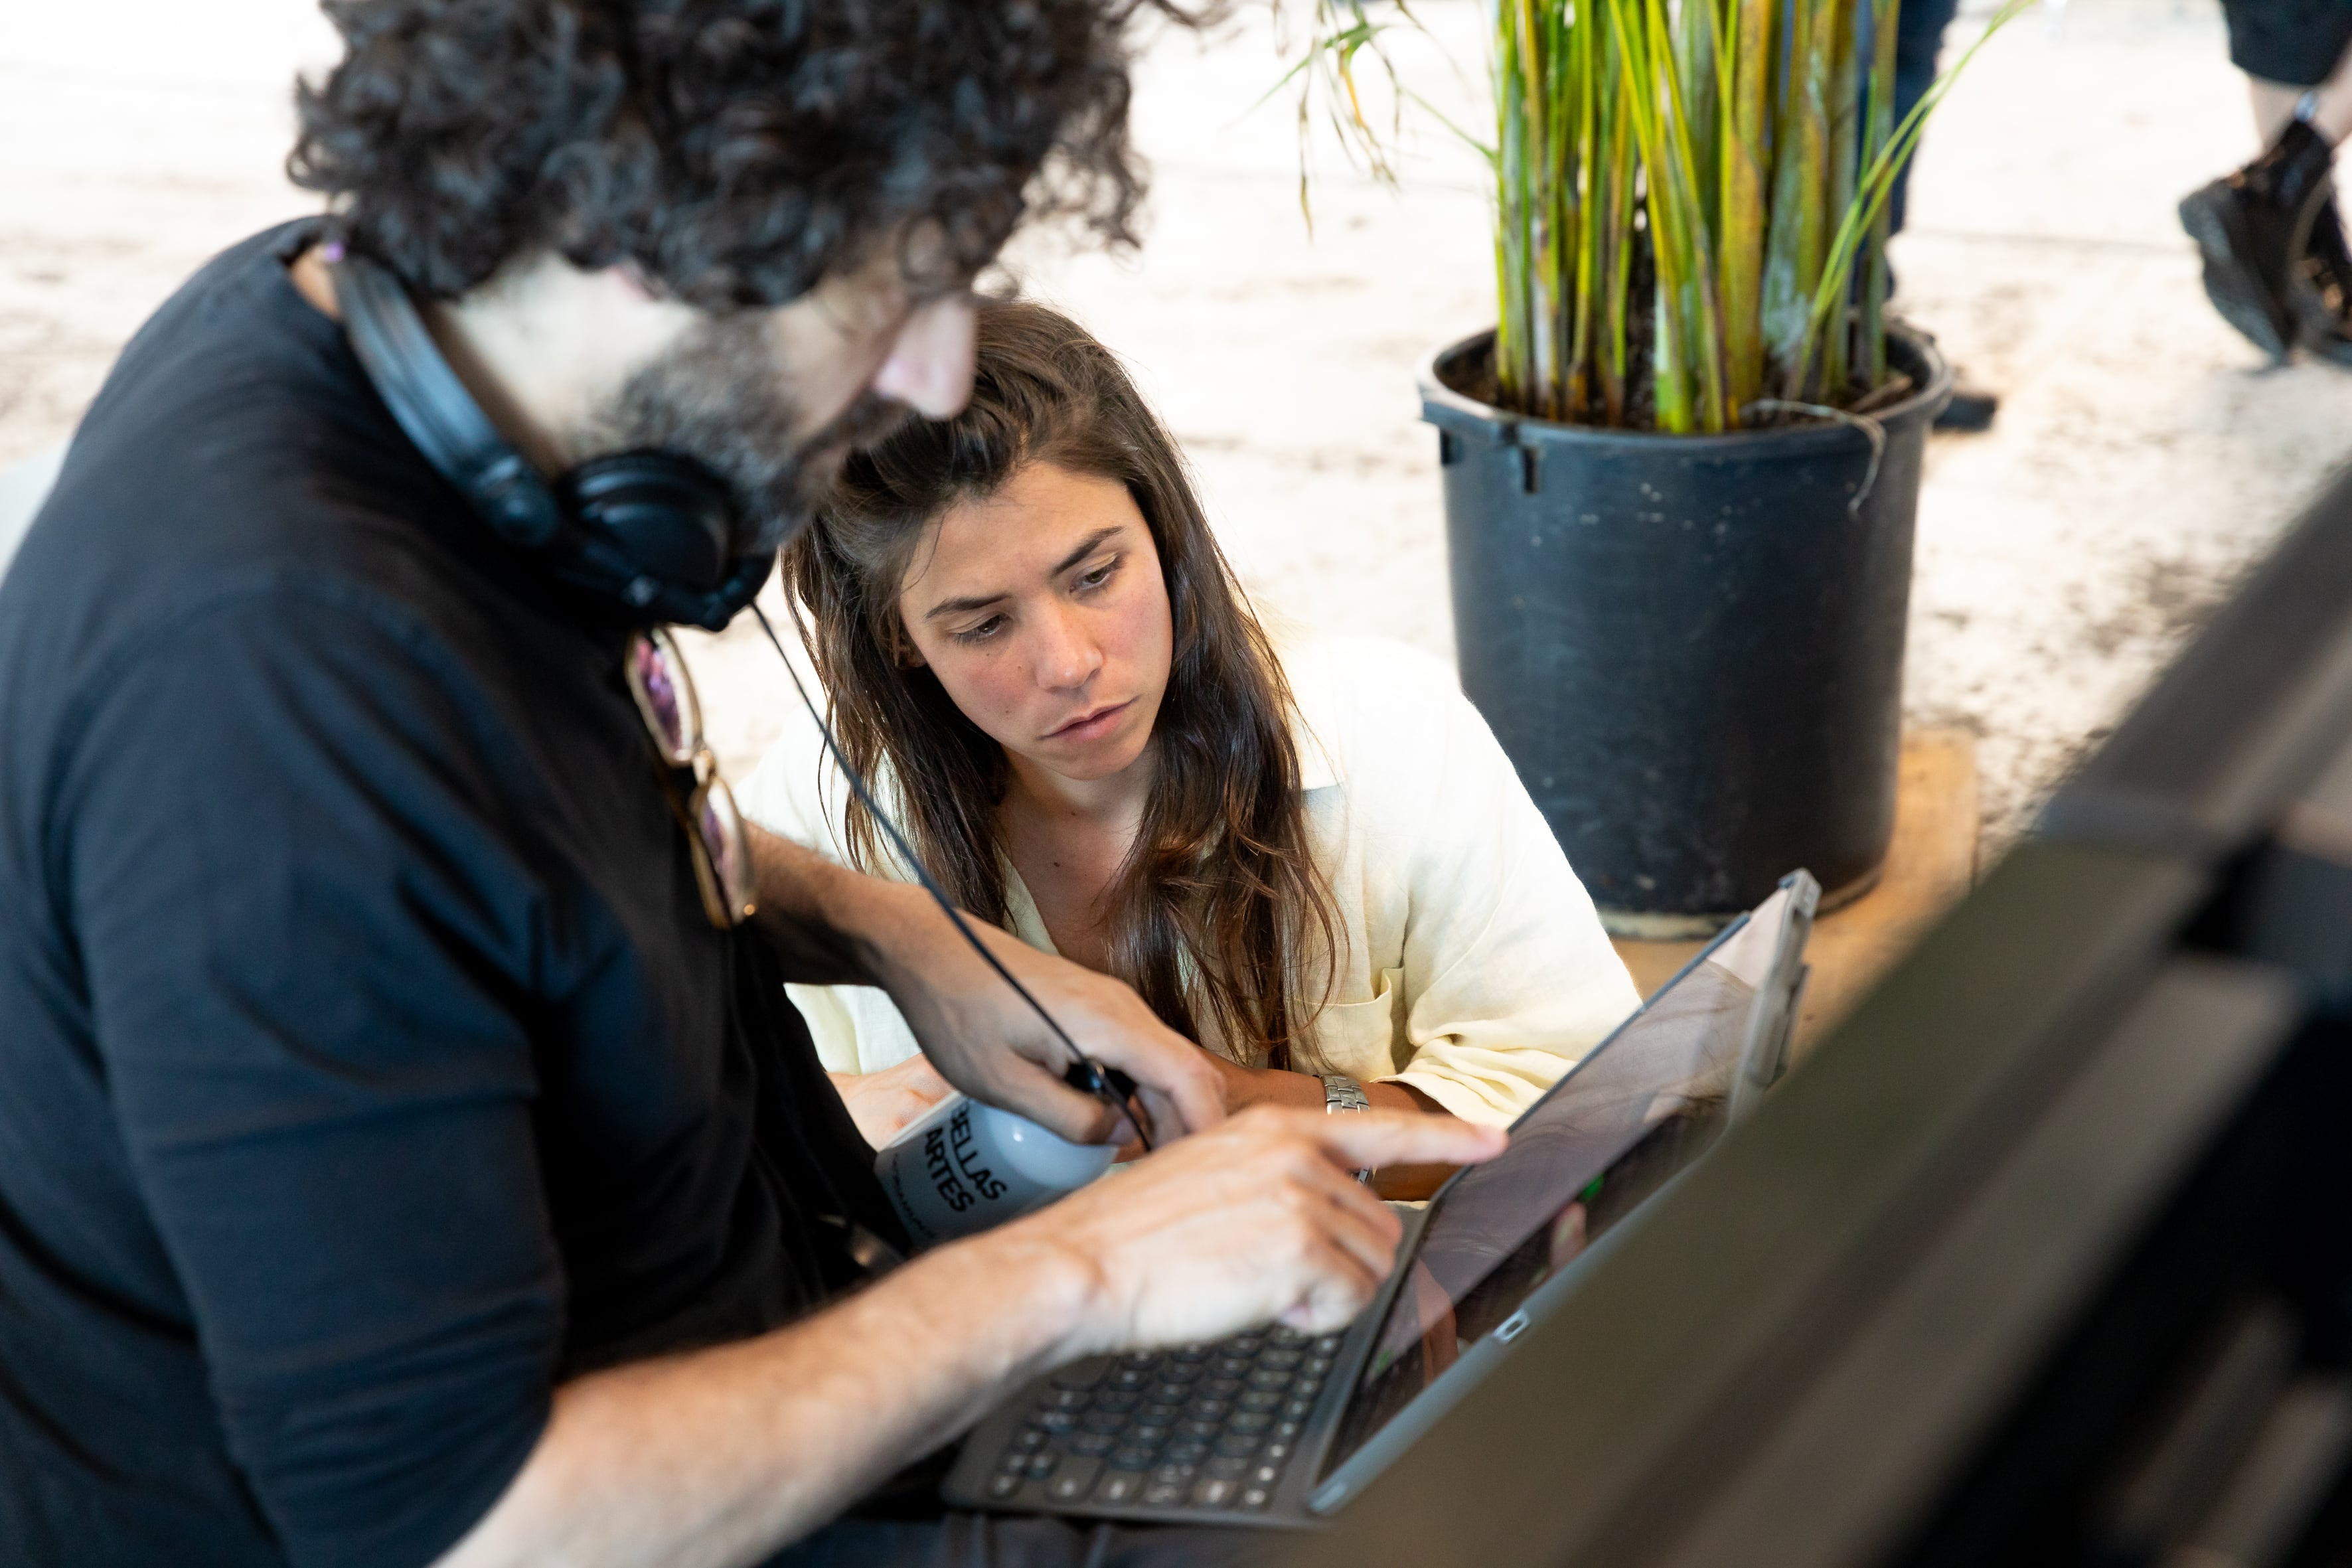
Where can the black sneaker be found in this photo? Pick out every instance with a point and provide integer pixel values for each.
(2250, 227)
(2321, 294)
(1971, 408)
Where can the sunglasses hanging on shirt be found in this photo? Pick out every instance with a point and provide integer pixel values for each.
(705, 806)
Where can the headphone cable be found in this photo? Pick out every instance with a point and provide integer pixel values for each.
(1107, 1084)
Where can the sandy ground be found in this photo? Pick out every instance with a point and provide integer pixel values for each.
(2144, 456)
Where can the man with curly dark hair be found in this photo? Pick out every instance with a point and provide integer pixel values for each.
(408, 1154)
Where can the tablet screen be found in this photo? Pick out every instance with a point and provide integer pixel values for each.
(1628, 1117)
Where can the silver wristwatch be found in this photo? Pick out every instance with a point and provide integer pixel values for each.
(1340, 1093)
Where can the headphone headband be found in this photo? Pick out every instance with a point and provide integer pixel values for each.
(652, 533)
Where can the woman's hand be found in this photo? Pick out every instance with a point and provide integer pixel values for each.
(882, 1103)
(1245, 1086)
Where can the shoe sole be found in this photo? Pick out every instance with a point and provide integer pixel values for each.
(2232, 287)
(2317, 330)
(1967, 415)
(2321, 344)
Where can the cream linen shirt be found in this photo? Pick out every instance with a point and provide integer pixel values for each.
(1474, 970)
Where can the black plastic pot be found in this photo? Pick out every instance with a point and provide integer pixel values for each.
(1691, 646)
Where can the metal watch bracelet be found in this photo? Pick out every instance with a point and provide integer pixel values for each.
(1342, 1093)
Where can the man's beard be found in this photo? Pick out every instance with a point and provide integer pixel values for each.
(720, 397)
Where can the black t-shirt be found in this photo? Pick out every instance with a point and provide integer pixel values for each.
(367, 1063)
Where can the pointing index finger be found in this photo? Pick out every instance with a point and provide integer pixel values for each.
(1368, 1139)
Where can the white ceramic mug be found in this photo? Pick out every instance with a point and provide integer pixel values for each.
(962, 1167)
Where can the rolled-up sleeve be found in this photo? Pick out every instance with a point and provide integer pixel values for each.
(1507, 977)
(309, 945)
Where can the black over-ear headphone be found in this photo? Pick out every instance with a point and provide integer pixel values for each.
(655, 534)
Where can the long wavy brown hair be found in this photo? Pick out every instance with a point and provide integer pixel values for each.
(1219, 914)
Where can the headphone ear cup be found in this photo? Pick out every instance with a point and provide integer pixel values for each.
(667, 514)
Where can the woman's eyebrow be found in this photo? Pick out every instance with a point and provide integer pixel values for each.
(1087, 546)
(959, 606)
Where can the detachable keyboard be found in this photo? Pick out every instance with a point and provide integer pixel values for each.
(1206, 1427)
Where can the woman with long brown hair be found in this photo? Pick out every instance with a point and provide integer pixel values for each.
(1313, 857)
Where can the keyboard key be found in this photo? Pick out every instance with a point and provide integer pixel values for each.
(1283, 1335)
(1231, 1366)
(1286, 1431)
(1014, 1459)
(1160, 1411)
(1133, 1377)
(1257, 1496)
(1328, 1345)
(1218, 1387)
(1169, 1393)
(1275, 1452)
(1174, 1475)
(1118, 1485)
(1133, 1459)
(1232, 1466)
(1163, 1494)
(1148, 1434)
(1212, 1409)
(1214, 1492)
(1042, 1464)
(1102, 1421)
(1004, 1486)
(1139, 1359)
(1250, 1421)
(1082, 1374)
(1267, 1474)
(1094, 1445)
(1056, 1421)
(1191, 1354)
(1074, 1481)
(1317, 1366)
(1185, 1451)
(1298, 1409)
(1259, 1399)
(1029, 1437)
(1184, 1371)
(1202, 1429)
(1281, 1359)
(1066, 1399)
(1269, 1379)
(1242, 1444)
(1117, 1399)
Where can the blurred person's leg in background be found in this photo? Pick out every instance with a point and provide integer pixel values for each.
(1919, 26)
(2276, 264)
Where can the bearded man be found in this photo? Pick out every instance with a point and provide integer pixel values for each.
(408, 1154)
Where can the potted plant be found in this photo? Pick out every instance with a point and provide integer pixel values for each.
(1682, 472)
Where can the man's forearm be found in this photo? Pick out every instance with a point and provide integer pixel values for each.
(824, 918)
(721, 1456)
(1007, 1045)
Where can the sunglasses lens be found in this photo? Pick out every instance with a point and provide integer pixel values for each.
(657, 679)
(731, 851)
